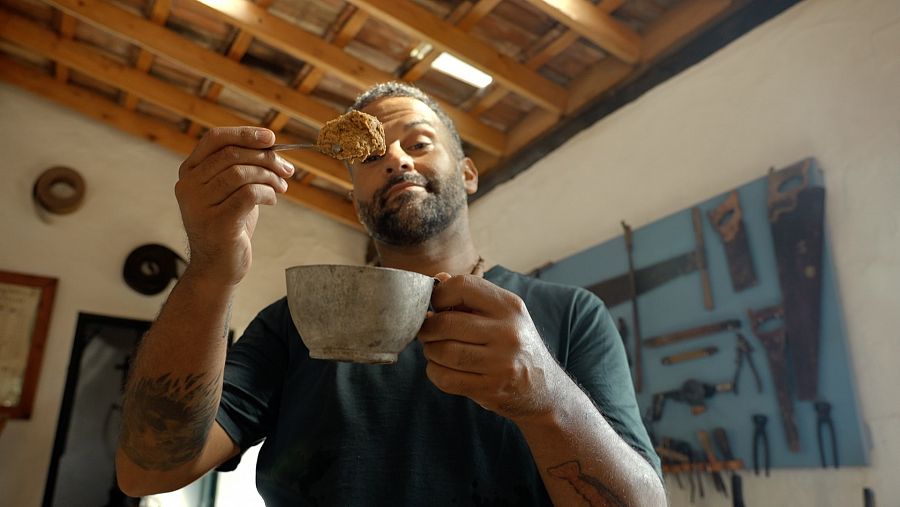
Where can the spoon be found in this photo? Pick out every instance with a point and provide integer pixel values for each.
(335, 148)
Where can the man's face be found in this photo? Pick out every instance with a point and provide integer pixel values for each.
(418, 187)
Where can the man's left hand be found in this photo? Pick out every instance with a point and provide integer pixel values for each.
(481, 343)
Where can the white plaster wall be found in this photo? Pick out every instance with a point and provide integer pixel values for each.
(823, 80)
(129, 202)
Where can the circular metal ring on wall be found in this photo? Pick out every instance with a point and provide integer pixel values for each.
(46, 195)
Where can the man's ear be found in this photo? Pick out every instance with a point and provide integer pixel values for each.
(469, 175)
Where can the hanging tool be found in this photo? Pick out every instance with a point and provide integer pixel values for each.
(699, 476)
(693, 392)
(868, 497)
(714, 463)
(704, 273)
(737, 486)
(685, 448)
(760, 438)
(670, 456)
(694, 332)
(617, 290)
(689, 355)
(797, 220)
(727, 220)
(775, 343)
(635, 319)
(743, 352)
(823, 420)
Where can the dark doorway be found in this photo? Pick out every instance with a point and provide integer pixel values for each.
(82, 467)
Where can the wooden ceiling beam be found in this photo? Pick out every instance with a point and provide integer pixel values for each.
(95, 106)
(666, 33)
(158, 14)
(546, 53)
(537, 122)
(346, 33)
(423, 25)
(680, 22)
(305, 46)
(80, 56)
(236, 50)
(208, 64)
(473, 14)
(157, 131)
(530, 127)
(66, 27)
(594, 24)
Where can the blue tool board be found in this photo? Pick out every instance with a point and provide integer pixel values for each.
(678, 305)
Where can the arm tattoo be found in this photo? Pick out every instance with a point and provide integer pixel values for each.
(588, 487)
(167, 419)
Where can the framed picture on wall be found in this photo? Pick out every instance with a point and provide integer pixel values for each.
(26, 302)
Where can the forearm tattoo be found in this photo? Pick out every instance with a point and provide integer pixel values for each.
(167, 419)
(594, 491)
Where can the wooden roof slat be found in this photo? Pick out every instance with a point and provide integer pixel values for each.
(352, 27)
(94, 106)
(317, 199)
(81, 57)
(207, 63)
(473, 14)
(66, 27)
(478, 11)
(540, 58)
(158, 131)
(236, 51)
(528, 128)
(344, 35)
(422, 24)
(595, 81)
(677, 23)
(552, 49)
(294, 41)
(594, 24)
(159, 11)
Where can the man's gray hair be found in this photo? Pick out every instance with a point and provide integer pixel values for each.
(399, 89)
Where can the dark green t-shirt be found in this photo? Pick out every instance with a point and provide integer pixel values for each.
(352, 434)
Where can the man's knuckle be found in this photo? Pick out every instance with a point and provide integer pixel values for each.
(231, 153)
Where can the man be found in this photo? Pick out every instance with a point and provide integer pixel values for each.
(484, 408)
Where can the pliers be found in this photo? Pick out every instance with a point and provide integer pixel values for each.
(760, 437)
(744, 350)
(823, 420)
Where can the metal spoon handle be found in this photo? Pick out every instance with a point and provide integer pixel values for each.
(281, 147)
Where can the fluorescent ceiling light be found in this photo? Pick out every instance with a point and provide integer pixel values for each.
(454, 67)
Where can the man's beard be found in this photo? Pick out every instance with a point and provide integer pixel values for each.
(405, 223)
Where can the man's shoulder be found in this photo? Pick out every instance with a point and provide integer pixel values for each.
(523, 284)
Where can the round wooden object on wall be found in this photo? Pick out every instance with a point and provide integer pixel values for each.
(59, 190)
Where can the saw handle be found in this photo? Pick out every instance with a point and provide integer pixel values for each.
(784, 201)
(730, 211)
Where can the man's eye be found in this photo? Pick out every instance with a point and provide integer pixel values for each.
(419, 146)
(371, 158)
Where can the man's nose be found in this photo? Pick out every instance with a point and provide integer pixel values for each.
(397, 160)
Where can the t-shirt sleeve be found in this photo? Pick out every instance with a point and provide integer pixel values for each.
(254, 375)
(597, 362)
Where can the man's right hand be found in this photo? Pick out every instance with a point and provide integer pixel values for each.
(219, 190)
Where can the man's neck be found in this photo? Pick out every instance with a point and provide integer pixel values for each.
(452, 251)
